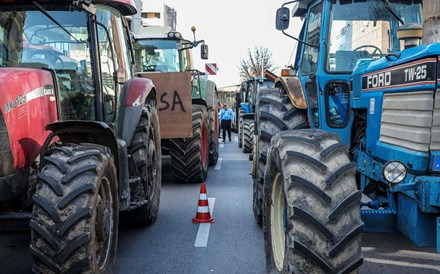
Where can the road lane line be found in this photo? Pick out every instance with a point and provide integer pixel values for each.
(203, 232)
(218, 166)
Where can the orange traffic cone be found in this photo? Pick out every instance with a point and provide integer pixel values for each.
(203, 215)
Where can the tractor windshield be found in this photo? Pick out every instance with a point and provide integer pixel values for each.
(56, 40)
(366, 29)
(161, 56)
(28, 38)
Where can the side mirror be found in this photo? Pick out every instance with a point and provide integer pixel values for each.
(120, 76)
(283, 18)
(204, 52)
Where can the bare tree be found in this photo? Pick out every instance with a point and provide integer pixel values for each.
(257, 61)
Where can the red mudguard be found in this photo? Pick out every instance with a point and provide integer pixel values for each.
(27, 102)
(138, 91)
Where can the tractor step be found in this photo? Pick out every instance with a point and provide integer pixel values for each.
(379, 220)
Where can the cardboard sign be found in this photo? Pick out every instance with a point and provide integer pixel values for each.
(174, 102)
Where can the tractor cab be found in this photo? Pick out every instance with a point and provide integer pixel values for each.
(249, 92)
(333, 41)
(160, 49)
(57, 37)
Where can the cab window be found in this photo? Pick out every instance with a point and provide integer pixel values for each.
(309, 61)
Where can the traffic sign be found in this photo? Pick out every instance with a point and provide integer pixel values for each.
(211, 68)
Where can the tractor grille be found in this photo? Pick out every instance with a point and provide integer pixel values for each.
(407, 119)
(435, 131)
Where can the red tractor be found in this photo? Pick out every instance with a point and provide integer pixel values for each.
(80, 137)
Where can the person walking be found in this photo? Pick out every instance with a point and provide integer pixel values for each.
(226, 118)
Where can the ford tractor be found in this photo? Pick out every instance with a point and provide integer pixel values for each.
(348, 141)
(80, 144)
(245, 112)
(187, 100)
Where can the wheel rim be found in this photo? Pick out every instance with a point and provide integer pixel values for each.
(103, 223)
(277, 223)
(204, 148)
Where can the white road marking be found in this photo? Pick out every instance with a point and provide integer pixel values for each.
(236, 139)
(218, 166)
(222, 145)
(203, 233)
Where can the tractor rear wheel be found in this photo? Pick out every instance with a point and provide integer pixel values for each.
(312, 221)
(189, 156)
(274, 113)
(247, 135)
(213, 138)
(75, 212)
(145, 150)
(240, 127)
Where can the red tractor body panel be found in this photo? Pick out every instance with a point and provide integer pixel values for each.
(138, 91)
(28, 105)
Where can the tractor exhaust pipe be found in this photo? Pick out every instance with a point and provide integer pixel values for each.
(431, 21)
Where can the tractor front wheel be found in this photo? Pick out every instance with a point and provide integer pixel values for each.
(247, 135)
(311, 216)
(75, 213)
(190, 156)
(213, 138)
(274, 113)
(145, 150)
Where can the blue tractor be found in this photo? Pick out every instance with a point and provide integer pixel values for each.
(354, 125)
(245, 110)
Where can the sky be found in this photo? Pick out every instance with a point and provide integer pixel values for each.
(229, 28)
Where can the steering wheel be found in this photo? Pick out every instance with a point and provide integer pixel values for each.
(151, 68)
(56, 61)
(52, 58)
(376, 49)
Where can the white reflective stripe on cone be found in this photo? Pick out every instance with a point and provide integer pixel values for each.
(203, 209)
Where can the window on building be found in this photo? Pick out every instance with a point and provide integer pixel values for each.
(151, 15)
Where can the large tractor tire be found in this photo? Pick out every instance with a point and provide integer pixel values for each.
(75, 212)
(247, 135)
(189, 156)
(240, 127)
(146, 167)
(274, 113)
(213, 138)
(312, 221)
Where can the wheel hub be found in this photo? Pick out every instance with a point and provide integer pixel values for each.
(277, 222)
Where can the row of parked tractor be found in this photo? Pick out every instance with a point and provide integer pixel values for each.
(87, 111)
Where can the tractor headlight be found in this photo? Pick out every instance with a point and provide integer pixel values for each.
(174, 34)
(394, 172)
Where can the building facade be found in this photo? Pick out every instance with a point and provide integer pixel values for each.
(153, 13)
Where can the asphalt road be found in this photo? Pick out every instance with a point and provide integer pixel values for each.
(233, 244)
